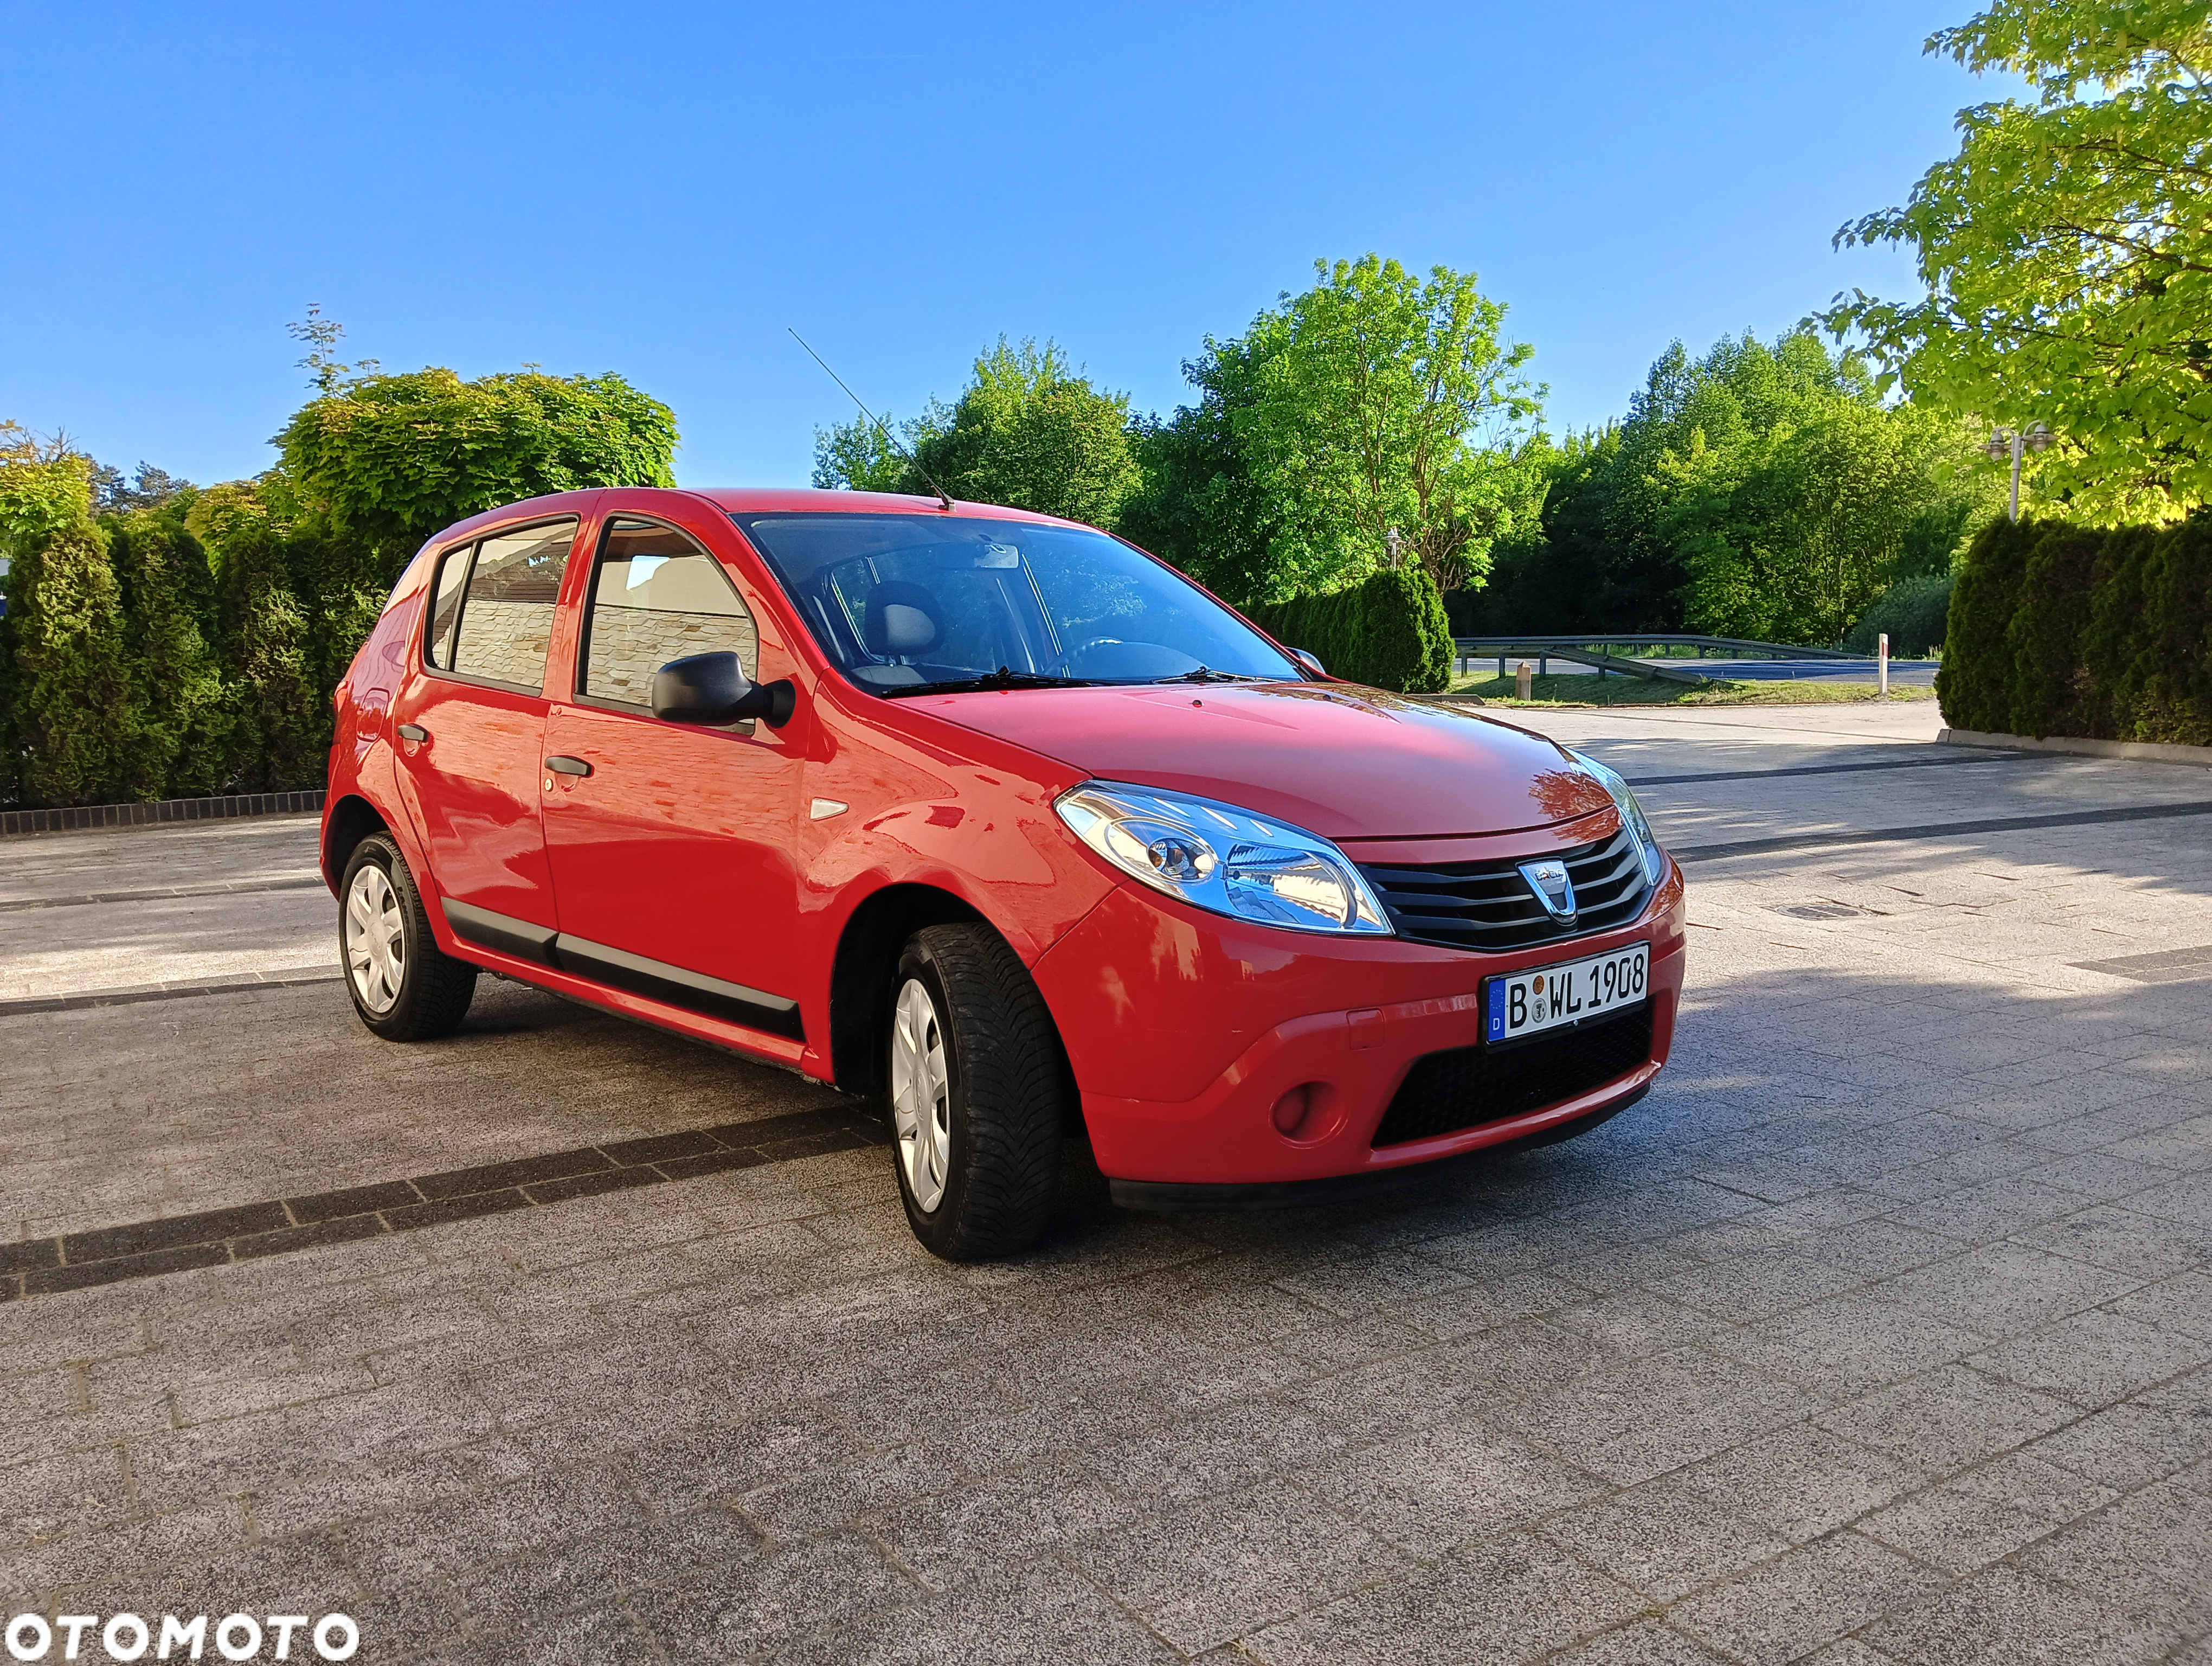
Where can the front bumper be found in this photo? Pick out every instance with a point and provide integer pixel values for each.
(1187, 1031)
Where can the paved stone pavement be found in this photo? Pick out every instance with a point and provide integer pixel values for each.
(1881, 1332)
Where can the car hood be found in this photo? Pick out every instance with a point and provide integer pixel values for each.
(1344, 762)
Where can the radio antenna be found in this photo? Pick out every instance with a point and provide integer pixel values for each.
(875, 422)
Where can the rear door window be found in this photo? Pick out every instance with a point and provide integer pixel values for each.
(657, 596)
(502, 625)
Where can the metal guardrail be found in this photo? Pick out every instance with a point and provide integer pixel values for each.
(1647, 670)
(1728, 647)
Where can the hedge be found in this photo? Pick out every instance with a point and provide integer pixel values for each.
(2057, 630)
(1911, 613)
(1388, 631)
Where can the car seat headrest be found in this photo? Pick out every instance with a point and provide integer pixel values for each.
(902, 618)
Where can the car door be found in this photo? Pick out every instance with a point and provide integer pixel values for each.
(470, 730)
(671, 845)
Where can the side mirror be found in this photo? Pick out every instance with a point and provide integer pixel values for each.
(711, 690)
(1307, 662)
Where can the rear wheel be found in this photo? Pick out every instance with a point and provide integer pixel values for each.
(976, 1094)
(405, 987)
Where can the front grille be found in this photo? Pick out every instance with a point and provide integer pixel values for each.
(1467, 1086)
(1488, 906)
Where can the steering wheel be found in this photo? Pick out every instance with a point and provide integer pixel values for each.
(1061, 665)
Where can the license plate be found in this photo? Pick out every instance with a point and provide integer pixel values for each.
(1546, 997)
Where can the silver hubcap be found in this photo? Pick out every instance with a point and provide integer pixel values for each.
(921, 1098)
(376, 940)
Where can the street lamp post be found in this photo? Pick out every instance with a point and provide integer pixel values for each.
(2011, 442)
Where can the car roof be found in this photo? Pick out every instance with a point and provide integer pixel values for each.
(739, 501)
(808, 500)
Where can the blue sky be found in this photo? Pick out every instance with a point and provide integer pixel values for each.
(661, 190)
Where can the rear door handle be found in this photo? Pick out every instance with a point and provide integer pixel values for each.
(567, 766)
(413, 732)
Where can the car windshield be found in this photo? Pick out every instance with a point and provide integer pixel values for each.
(908, 603)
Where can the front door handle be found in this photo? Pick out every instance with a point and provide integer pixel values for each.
(413, 732)
(567, 766)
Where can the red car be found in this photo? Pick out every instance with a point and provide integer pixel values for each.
(999, 818)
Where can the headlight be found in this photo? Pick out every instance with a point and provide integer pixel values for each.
(1631, 813)
(1218, 857)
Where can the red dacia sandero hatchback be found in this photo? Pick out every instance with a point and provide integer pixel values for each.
(998, 817)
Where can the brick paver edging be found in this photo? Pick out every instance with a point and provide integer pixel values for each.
(247, 1231)
(159, 811)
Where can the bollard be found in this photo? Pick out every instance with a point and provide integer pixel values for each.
(1524, 682)
(1882, 663)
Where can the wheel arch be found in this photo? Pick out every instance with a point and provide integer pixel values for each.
(349, 821)
(866, 961)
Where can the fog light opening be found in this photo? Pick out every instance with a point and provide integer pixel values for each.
(1300, 1114)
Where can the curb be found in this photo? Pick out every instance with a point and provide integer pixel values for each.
(160, 812)
(2141, 751)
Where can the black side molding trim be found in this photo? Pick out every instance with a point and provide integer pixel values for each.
(694, 991)
(519, 938)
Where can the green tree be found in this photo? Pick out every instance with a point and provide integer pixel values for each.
(280, 709)
(382, 462)
(859, 456)
(1198, 503)
(1763, 490)
(1372, 413)
(2067, 252)
(179, 742)
(65, 708)
(1027, 431)
(1376, 405)
(74, 715)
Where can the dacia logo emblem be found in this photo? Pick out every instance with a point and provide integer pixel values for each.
(1549, 884)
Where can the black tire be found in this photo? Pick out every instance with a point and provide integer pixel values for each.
(1003, 1095)
(434, 989)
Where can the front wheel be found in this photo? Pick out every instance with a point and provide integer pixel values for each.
(975, 1077)
(405, 987)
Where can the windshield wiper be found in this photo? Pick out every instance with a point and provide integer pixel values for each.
(1203, 675)
(1001, 679)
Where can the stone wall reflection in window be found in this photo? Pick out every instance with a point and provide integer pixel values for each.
(656, 597)
(507, 616)
(446, 606)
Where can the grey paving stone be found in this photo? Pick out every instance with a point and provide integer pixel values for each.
(1226, 1566)
(2007, 1616)
(1645, 1643)
(64, 1493)
(2152, 1548)
(1218, 1451)
(2182, 1304)
(1662, 1539)
(1946, 1419)
(2125, 1240)
(1954, 1530)
(839, 1494)
(2005, 1288)
(606, 1636)
(1035, 1611)
(1632, 1422)
(1846, 1344)
(1801, 1481)
(1784, 1609)
(953, 1538)
(1507, 1599)
(2095, 1358)
(1441, 1486)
